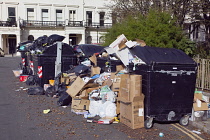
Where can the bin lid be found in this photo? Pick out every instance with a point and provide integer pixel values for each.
(161, 55)
(89, 49)
(52, 50)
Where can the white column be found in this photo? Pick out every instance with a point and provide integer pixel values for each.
(1, 43)
(17, 42)
(83, 38)
(66, 39)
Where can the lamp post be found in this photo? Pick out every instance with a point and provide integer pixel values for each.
(97, 33)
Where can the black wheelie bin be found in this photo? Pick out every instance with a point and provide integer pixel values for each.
(44, 63)
(23, 49)
(105, 63)
(168, 83)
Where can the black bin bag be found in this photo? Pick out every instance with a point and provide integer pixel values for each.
(36, 91)
(65, 99)
(54, 37)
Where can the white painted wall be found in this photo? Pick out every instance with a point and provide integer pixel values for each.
(80, 6)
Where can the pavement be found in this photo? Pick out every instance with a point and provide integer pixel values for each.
(202, 125)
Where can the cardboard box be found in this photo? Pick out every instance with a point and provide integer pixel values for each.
(93, 59)
(80, 104)
(202, 97)
(130, 86)
(95, 70)
(116, 87)
(124, 86)
(136, 86)
(118, 107)
(132, 113)
(200, 105)
(198, 96)
(67, 78)
(76, 87)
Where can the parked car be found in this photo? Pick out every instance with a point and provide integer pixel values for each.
(1, 53)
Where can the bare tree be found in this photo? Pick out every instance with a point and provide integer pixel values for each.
(190, 14)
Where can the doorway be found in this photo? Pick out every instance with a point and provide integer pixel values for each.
(72, 39)
(12, 44)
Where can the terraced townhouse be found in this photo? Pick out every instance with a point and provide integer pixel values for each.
(80, 21)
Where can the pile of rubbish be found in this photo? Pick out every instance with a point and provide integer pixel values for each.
(106, 84)
(92, 88)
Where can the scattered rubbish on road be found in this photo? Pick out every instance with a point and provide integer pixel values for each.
(197, 132)
(46, 111)
(161, 134)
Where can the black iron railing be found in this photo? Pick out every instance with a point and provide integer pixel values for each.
(8, 24)
(35, 23)
(75, 24)
(98, 25)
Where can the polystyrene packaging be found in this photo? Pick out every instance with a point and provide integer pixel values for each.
(107, 109)
(94, 107)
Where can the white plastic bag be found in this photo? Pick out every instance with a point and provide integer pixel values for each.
(107, 109)
(94, 107)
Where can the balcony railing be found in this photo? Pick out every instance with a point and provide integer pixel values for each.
(34, 23)
(75, 24)
(98, 25)
(8, 24)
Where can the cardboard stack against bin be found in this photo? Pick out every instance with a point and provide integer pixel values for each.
(201, 103)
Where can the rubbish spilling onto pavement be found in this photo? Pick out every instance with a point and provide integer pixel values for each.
(126, 82)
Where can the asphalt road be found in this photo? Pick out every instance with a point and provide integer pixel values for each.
(22, 118)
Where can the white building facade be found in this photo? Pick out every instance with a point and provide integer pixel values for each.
(80, 21)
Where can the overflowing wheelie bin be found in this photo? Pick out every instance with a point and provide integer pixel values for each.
(23, 49)
(168, 83)
(44, 63)
(105, 63)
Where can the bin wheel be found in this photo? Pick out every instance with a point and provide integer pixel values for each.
(184, 121)
(148, 123)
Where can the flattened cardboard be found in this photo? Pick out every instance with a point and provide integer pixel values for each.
(95, 70)
(93, 59)
(141, 42)
(120, 67)
(198, 96)
(122, 44)
(115, 45)
(200, 107)
(124, 55)
(76, 87)
(67, 78)
(131, 113)
(91, 89)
